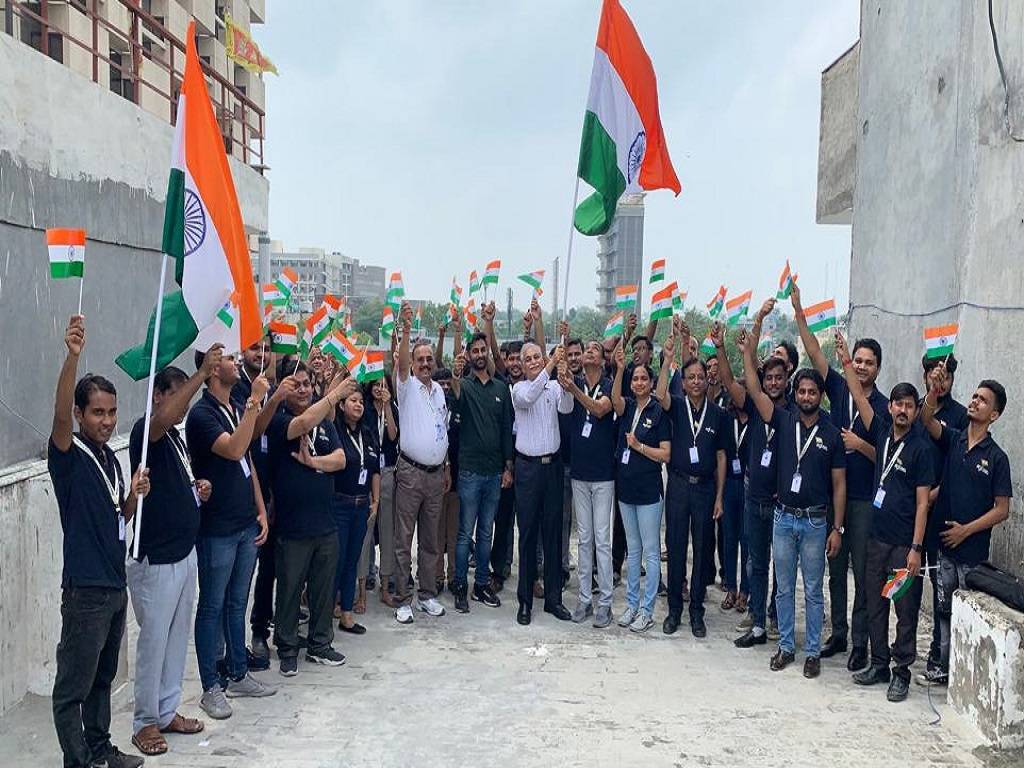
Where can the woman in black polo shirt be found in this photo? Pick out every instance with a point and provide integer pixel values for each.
(644, 445)
(356, 491)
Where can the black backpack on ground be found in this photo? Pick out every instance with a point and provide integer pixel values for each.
(992, 581)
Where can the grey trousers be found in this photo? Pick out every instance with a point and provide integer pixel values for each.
(162, 598)
(593, 504)
(568, 508)
(386, 529)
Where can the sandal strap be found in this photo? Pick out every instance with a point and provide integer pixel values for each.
(186, 725)
(149, 741)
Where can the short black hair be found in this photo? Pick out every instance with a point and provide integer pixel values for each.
(930, 363)
(905, 390)
(503, 348)
(576, 341)
(90, 383)
(478, 336)
(809, 373)
(289, 367)
(773, 362)
(514, 348)
(167, 378)
(997, 389)
(694, 361)
(872, 345)
(442, 374)
(636, 339)
(199, 357)
(791, 353)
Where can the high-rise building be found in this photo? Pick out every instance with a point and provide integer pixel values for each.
(620, 252)
(321, 273)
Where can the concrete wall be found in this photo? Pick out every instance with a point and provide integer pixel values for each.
(938, 207)
(837, 139)
(73, 154)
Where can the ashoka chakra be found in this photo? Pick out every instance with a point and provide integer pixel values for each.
(195, 222)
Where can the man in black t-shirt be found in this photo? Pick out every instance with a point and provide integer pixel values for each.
(94, 508)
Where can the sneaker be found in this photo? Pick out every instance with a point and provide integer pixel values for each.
(602, 618)
(872, 676)
(249, 687)
(628, 616)
(461, 603)
(404, 614)
(662, 588)
(582, 612)
(899, 688)
(215, 704)
(328, 657)
(933, 676)
(746, 623)
(486, 596)
(255, 662)
(642, 622)
(289, 666)
(431, 607)
(773, 629)
(260, 647)
(117, 759)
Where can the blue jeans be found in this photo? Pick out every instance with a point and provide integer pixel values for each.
(758, 524)
(478, 505)
(643, 534)
(800, 540)
(733, 535)
(226, 564)
(351, 521)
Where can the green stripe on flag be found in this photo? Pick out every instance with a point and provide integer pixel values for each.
(59, 269)
(934, 352)
(598, 167)
(173, 243)
(822, 324)
(177, 331)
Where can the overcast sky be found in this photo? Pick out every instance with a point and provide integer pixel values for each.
(434, 135)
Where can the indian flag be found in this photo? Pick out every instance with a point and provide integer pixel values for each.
(319, 325)
(785, 283)
(661, 303)
(474, 283)
(373, 365)
(821, 316)
(717, 302)
(284, 338)
(616, 325)
(737, 307)
(491, 272)
(623, 147)
(534, 280)
(348, 322)
(396, 290)
(454, 300)
(203, 232)
(332, 305)
(939, 341)
(341, 348)
(417, 324)
(67, 252)
(898, 584)
(387, 323)
(657, 270)
(273, 297)
(678, 299)
(286, 282)
(707, 347)
(229, 312)
(625, 297)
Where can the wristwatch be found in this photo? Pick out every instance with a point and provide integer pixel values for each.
(839, 529)
(919, 548)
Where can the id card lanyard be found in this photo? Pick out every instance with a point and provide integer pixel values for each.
(801, 451)
(243, 462)
(359, 447)
(115, 489)
(888, 465)
(695, 428)
(766, 454)
(182, 451)
(632, 428)
(853, 414)
(380, 434)
(737, 465)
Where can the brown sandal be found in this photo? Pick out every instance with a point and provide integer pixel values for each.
(360, 604)
(741, 603)
(186, 725)
(149, 741)
(729, 602)
(386, 597)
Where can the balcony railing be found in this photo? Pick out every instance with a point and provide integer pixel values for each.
(241, 119)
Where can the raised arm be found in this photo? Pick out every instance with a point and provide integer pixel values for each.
(810, 342)
(661, 390)
(458, 368)
(404, 361)
(64, 402)
(867, 413)
(937, 378)
(598, 407)
(762, 402)
(618, 401)
(322, 409)
(233, 446)
(525, 394)
(652, 329)
(488, 311)
(457, 337)
(163, 416)
(630, 328)
(439, 347)
(538, 327)
(736, 392)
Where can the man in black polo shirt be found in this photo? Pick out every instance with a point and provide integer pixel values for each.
(94, 509)
(860, 458)
(485, 459)
(974, 496)
(696, 480)
(162, 580)
(304, 451)
(811, 477)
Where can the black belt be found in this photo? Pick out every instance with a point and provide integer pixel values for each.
(691, 479)
(353, 500)
(547, 458)
(421, 467)
(818, 511)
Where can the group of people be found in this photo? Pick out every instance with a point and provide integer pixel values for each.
(292, 470)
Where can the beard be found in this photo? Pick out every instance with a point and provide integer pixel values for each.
(807, 408)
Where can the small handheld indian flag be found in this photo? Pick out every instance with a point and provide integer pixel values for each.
(625, 297)
(707, 347)
(284, 338)
(417, 325)
(939, 340)
(898, 584)
(348, 322)
(454, 300)
(661, 303)
(67, 252)
(616, 325)
(286, 282)
(785, 283)
(821, 316)
(470, 324)
(229, 312)
(341, 348)
(332, 305)
(474, 283)
(657, 270)
(717, 303)
(372, 366)
(491, 272)
(318, 325)
(387, 323)
(534, 280)
(396, 290)
(678, 299)
(736, 308)
(273, 297)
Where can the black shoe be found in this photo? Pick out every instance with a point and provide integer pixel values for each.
(858, 659)
(698, 628)
(524, 615)
(872, 676)
(328, 657)
(440, 587)
(670, 624)
(289, 666)
(559, 611)
(749, 640)
(662, 589)
(260, 647)
(486, 596)
(118, 759)
(616, 579)
(461, 603)
(497, 584)
(257, 663)
(812, 667)
(833, 646)
(355, 629)
(781, 660)
(898, 688)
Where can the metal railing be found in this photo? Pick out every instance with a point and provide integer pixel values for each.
(241, 120)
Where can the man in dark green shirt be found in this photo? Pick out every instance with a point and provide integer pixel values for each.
(486, 456)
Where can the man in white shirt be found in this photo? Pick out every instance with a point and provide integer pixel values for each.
(539, 477)
(421, 475)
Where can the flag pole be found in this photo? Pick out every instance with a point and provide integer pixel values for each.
(568, 254)
(81, 288)
(149, 401)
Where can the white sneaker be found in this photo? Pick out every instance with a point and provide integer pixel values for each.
(642, 622)
(404, 614)
(628, 617)
(431, 607)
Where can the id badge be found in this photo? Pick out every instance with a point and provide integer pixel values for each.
(766, 458)
(794, 486)
(737, 467)
(362, 476)
(439, 432)
(120, 527)
(264, 444)
(625, 456)
(382, 460)
(587, 426)
(694, 456)
(245, 467)
(879, 498)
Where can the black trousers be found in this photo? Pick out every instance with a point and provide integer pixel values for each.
(689, 510)
(881, 558)
(263, 593)
(539, 513)
(312, 561)
(618, 540)
(92, 623)
(504, 534)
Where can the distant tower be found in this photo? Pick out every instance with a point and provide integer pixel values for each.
(620, 252)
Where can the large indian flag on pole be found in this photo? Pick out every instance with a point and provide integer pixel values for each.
(623, 148)
(203, 233)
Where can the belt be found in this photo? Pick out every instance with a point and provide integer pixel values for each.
(818, 511)
(547, 458)
(353, 500)
(421, 467)
(691, 479)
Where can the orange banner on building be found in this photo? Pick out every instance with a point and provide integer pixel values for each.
(242, 50)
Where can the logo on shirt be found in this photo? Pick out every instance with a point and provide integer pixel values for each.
(982, 467)
(648, 423)
(820, 444)
(497, 399)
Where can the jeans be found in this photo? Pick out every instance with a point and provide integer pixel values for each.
(643, 535)
(350, 517)
(800, 540)
(759, 522)
(92, 623)
(478, 505)
(310, 564)
(952, 576)
(882, 558)
(592, 503)
(733, 539)
(854, 548)
(226, 564)
(689, 509)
